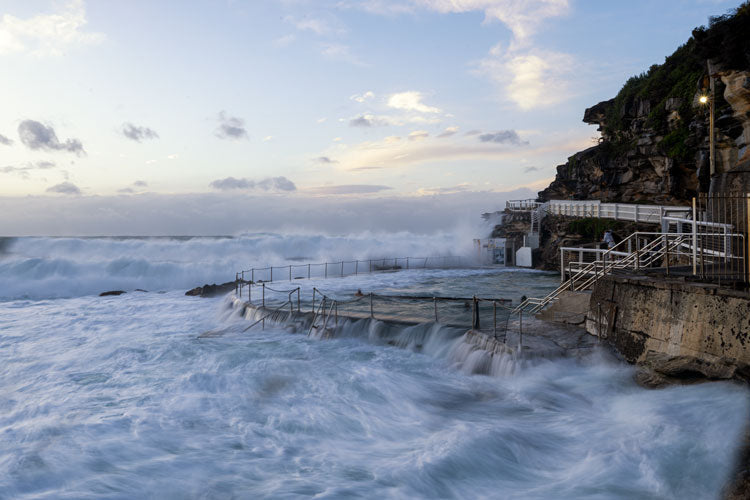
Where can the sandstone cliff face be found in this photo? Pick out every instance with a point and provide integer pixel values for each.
(654, 144)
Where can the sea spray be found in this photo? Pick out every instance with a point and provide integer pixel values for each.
(38, 267)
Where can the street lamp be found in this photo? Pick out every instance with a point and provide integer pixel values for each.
(710, 100)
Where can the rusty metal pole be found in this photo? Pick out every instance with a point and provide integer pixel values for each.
(263, 304)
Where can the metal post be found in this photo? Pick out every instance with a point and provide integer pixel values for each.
(326, 273)
(342, 268)
(252, 275)
(711, 130)
(695, 239)
(271, 274)
(264, 295)
(290, 273)
(313, 302)
(336, 312)
(308, 271)
(637, 252)
(241, 282)
(666, 250)
(249, 292)
(476, 314)
(370, 266)
(494, 319)
(236, 283)
(562, 266)
(372, 315)
(298, 302)
(356, 267)
(570, 273)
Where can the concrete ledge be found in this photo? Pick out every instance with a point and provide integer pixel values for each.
(676, 328)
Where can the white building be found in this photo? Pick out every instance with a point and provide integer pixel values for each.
(495, 251)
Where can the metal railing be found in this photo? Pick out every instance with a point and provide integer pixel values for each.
(527, 205)
(342, 268)
(326, 309)
(644, 250)
(617, 211)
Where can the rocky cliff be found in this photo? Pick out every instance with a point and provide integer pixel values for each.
(654, 144)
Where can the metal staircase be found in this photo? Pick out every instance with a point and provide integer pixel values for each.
(656, 247)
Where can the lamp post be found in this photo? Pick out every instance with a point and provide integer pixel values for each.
(710, 100)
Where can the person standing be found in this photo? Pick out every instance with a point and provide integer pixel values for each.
(608, 238)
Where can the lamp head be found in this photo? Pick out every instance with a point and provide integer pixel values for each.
(703, 99)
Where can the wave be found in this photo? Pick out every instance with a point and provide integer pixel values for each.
(42, 267)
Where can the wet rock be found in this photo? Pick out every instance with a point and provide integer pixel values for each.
(212, 290)
(112, 292)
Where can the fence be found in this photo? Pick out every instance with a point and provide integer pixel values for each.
(618, 211)
(342, 268)
(522, 205)
(490, 315)
(718, 255)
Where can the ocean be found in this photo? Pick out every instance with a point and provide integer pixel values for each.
(126, 397)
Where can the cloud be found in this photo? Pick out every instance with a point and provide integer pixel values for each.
(138, 134)
(527, 170)
(23, 171)
(410, 101)
(460, 188)
(47, 34)
(473, 132)
(37, 136)
(527, 75)
(231, 127)
(285, 40)
(325, 159)
(368, 121)
(173, 156)
(267, 184)
(418, 135)
(5, 141)
(446, 216)
(135, 187)
(531, 79)
(340, 52)
(64, 188)
(522, 18)
(346, 189)
(367, 96)
(448, 132)
(502, 137)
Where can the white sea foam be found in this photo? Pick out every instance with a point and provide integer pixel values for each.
(121, 397)
(69, 267)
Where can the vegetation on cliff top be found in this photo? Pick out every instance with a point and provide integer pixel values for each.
(725, 39)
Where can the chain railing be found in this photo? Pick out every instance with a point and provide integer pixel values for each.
(342, 268)
(327, 310)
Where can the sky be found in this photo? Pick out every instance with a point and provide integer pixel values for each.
(118, 117)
